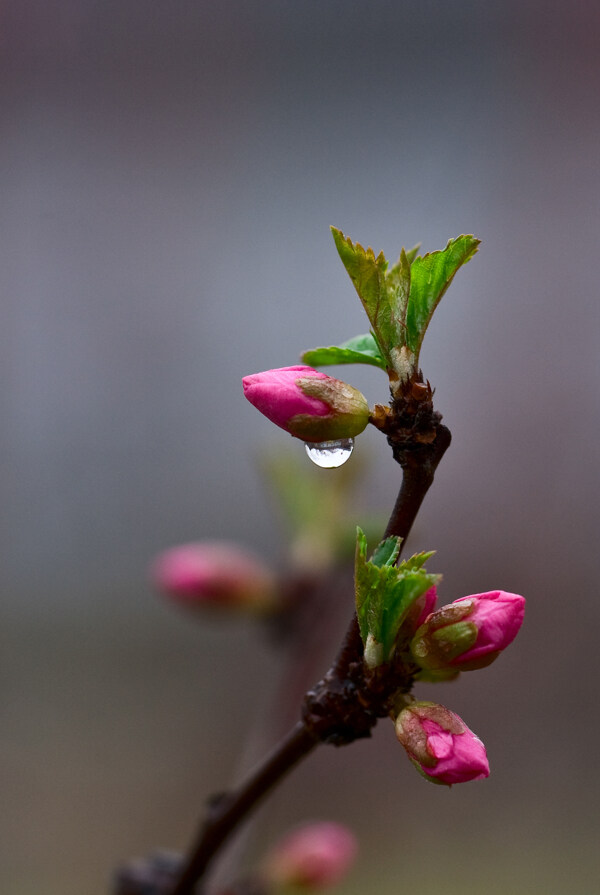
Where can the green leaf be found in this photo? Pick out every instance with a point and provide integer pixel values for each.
(386, 553)
(361, 544)
(385, 594)
(359, 350)
(365, 581)
(412, 253)
(430, 277)
(401, 589)
(400, 302)
(367, 272)
(417, 560)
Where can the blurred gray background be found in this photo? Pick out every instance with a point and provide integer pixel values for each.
(169, 172)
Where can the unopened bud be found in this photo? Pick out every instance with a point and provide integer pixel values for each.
(215, 573)
(314, 856)
(421, 609)
(308, 404)
(468, 633)
(440, 745)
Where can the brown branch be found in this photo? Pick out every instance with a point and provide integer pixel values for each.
(419, 463)
(228, 810)
(338, 710)
(341, 708)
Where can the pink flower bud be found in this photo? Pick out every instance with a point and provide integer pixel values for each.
(440, 745)
(214, 573)
(421, 608)
(312, 857)
(469, 633)
(308, 404)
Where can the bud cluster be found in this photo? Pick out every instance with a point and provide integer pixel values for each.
(466, 635)
(404, 638)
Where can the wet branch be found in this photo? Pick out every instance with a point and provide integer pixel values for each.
(228, 810)
(340, 708)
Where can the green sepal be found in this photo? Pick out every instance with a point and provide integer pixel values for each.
(436, 675)
(348, 410)
(358, 350)
(454, 640)
(385, 593)
(426, 776)
(435, 648)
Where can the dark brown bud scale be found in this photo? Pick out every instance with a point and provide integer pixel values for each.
(420, 391)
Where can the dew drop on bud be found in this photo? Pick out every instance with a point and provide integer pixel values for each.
(330, 454)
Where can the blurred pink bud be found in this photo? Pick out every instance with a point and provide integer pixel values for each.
(214, 573)
(308, 404)
(469, 633)
(314, 856)
(440, 744)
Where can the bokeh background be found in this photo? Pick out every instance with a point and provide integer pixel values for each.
(169, 172)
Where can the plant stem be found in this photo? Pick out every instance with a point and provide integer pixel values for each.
(419, 464)
(228, 810)
(419, 461)
(418, 468)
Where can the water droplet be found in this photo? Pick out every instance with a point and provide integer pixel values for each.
(330, 454)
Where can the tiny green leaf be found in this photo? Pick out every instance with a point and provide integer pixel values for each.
(417, 560)
(386, 553)
(361, 544)
(385, 594)
(359, 350)
(365, 581)
(412, 253)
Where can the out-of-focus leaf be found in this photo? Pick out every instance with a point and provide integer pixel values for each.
(317, 506)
